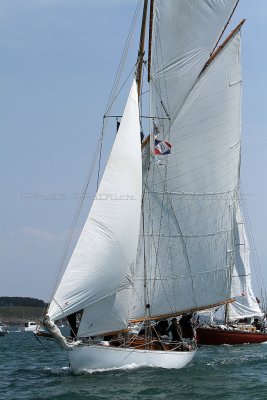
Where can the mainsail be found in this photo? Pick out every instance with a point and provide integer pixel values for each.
(186, 235)
(105, 253)
(245, 305)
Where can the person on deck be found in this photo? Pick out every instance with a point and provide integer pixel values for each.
(175, 330)
(257, 324)
(186, 326)
(161, 327)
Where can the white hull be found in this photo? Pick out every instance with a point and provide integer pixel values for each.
(86, 357)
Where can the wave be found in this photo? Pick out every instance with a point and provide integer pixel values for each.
(124, 368)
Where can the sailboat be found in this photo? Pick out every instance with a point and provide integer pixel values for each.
(157, 242)
(243, 319)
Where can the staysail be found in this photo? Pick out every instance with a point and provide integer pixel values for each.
(105, 253)
(245, 305)
(186, 235)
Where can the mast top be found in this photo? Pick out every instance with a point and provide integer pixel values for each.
(141, 49)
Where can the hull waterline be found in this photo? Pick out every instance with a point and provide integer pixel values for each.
(83, 358)
(215, 336)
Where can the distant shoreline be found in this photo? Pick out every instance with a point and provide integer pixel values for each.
(18, 315)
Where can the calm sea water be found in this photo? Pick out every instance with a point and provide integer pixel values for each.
(30, 371)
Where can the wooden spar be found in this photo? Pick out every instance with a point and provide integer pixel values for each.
(150, 38)
(147, 139)
(188, 311)
(224, 29)
(141, 49)
(224, 43)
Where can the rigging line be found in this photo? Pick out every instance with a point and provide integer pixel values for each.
(84, 191)
(157, 246)
(98, 150)
(76, 216)
(117, 94)
(158, 90)
(60, 307)
(183, 243)
(146, 297)
(46, 348)
(145, 269)
(156, 249)
(165, 109)
(100, 153)
(132, 339)
(113, 95)
(146, 294)
(123, 57)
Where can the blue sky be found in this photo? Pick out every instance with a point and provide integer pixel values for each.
(57, 65)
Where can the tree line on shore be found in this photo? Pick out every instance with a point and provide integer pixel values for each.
(6, 301)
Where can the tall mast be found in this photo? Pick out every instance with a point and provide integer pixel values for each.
(141, 49)
(150, 38)
(139, 71)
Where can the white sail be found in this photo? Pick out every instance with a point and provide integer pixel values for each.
(106, 250)
(108, 315)
(245, 305)
(184, 35)
(187, 223)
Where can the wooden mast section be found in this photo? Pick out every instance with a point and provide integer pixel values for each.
(150, 39)
(141, 49)
(227, 23)
(224, 43)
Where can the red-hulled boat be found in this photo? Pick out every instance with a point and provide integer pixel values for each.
(226, 335)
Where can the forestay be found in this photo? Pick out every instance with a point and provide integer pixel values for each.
(245, 305)
(106, 250)
(186, 236)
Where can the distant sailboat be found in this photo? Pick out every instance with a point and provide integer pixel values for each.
(158, 243)
(244, 317)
